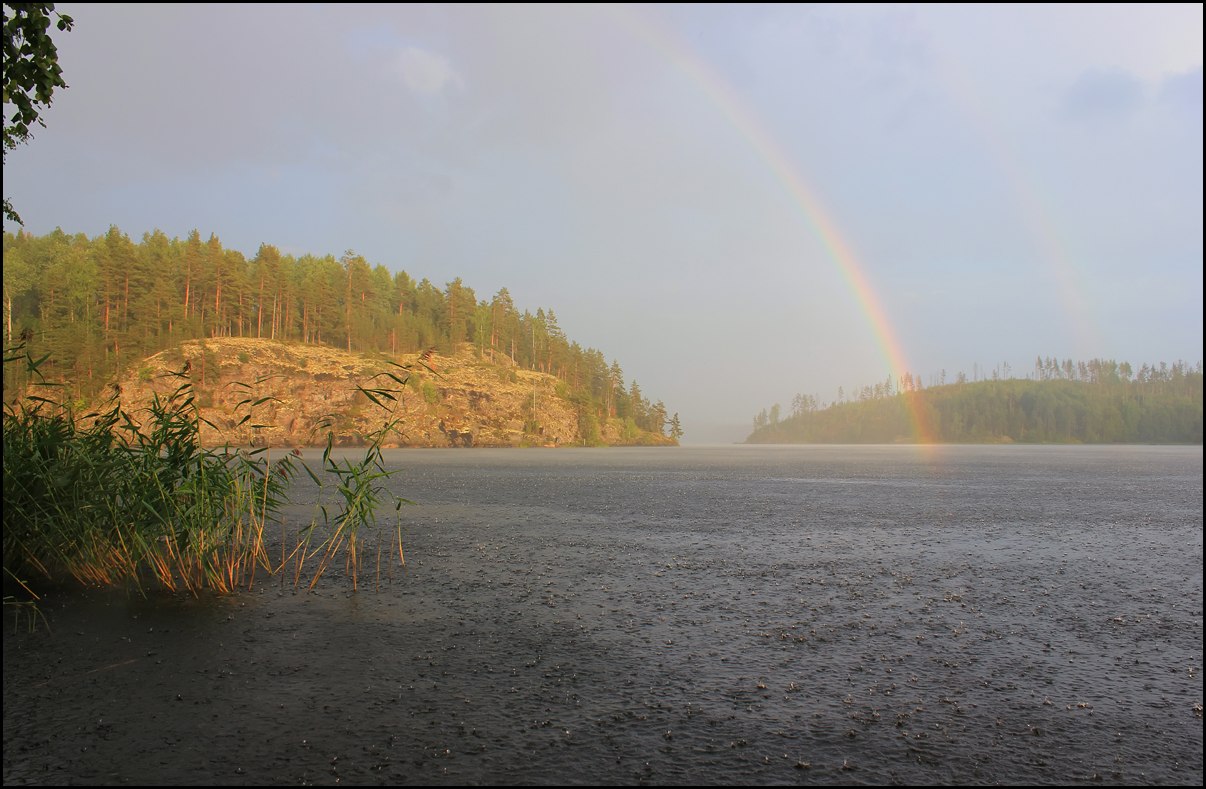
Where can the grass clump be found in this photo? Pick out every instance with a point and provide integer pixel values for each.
(109, 501)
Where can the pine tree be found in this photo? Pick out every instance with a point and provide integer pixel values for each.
(676, 428)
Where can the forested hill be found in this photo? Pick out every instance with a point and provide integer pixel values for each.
(1104, 405)
(99, 307)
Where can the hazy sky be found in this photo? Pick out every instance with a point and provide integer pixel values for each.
(737, 203)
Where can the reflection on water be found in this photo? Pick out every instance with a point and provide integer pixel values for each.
(703, 615)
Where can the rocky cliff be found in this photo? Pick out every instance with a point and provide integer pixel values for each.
(305, 391)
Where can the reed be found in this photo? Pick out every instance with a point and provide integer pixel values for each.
(361, 485)
(110, 500)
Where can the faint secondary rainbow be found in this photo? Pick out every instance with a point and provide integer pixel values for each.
(1052, 249)
(837, 248)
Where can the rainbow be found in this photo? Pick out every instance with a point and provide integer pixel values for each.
(837, 248)
(1034, 214)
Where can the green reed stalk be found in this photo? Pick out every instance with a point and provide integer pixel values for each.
(108, 499)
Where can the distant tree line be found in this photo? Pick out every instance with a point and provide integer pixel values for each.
(1094, 402)
(97, 305)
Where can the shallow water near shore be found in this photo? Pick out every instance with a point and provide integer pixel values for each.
(700, 615)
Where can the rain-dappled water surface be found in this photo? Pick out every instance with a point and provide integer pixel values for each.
(697, 615)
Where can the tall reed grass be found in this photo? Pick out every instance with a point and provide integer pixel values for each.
(362, 491)
(108, 500)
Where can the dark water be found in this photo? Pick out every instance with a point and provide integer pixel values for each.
(736, 615)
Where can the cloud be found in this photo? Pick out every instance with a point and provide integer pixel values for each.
(425, 72)
(1099, 95)
(1184, 91)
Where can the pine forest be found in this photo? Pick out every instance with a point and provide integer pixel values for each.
(1094, 402)
(93, 307)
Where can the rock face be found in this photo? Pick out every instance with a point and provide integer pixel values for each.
(297, 394)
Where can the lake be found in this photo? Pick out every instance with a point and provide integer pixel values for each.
(695, 615)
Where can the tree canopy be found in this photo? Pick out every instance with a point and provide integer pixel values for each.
(1095, 402)
(98, 305)
(31, 72)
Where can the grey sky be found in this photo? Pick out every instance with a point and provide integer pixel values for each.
(1012, 181)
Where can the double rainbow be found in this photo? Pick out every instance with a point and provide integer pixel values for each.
(837, 248)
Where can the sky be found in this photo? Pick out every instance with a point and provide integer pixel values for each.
(737, 203)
